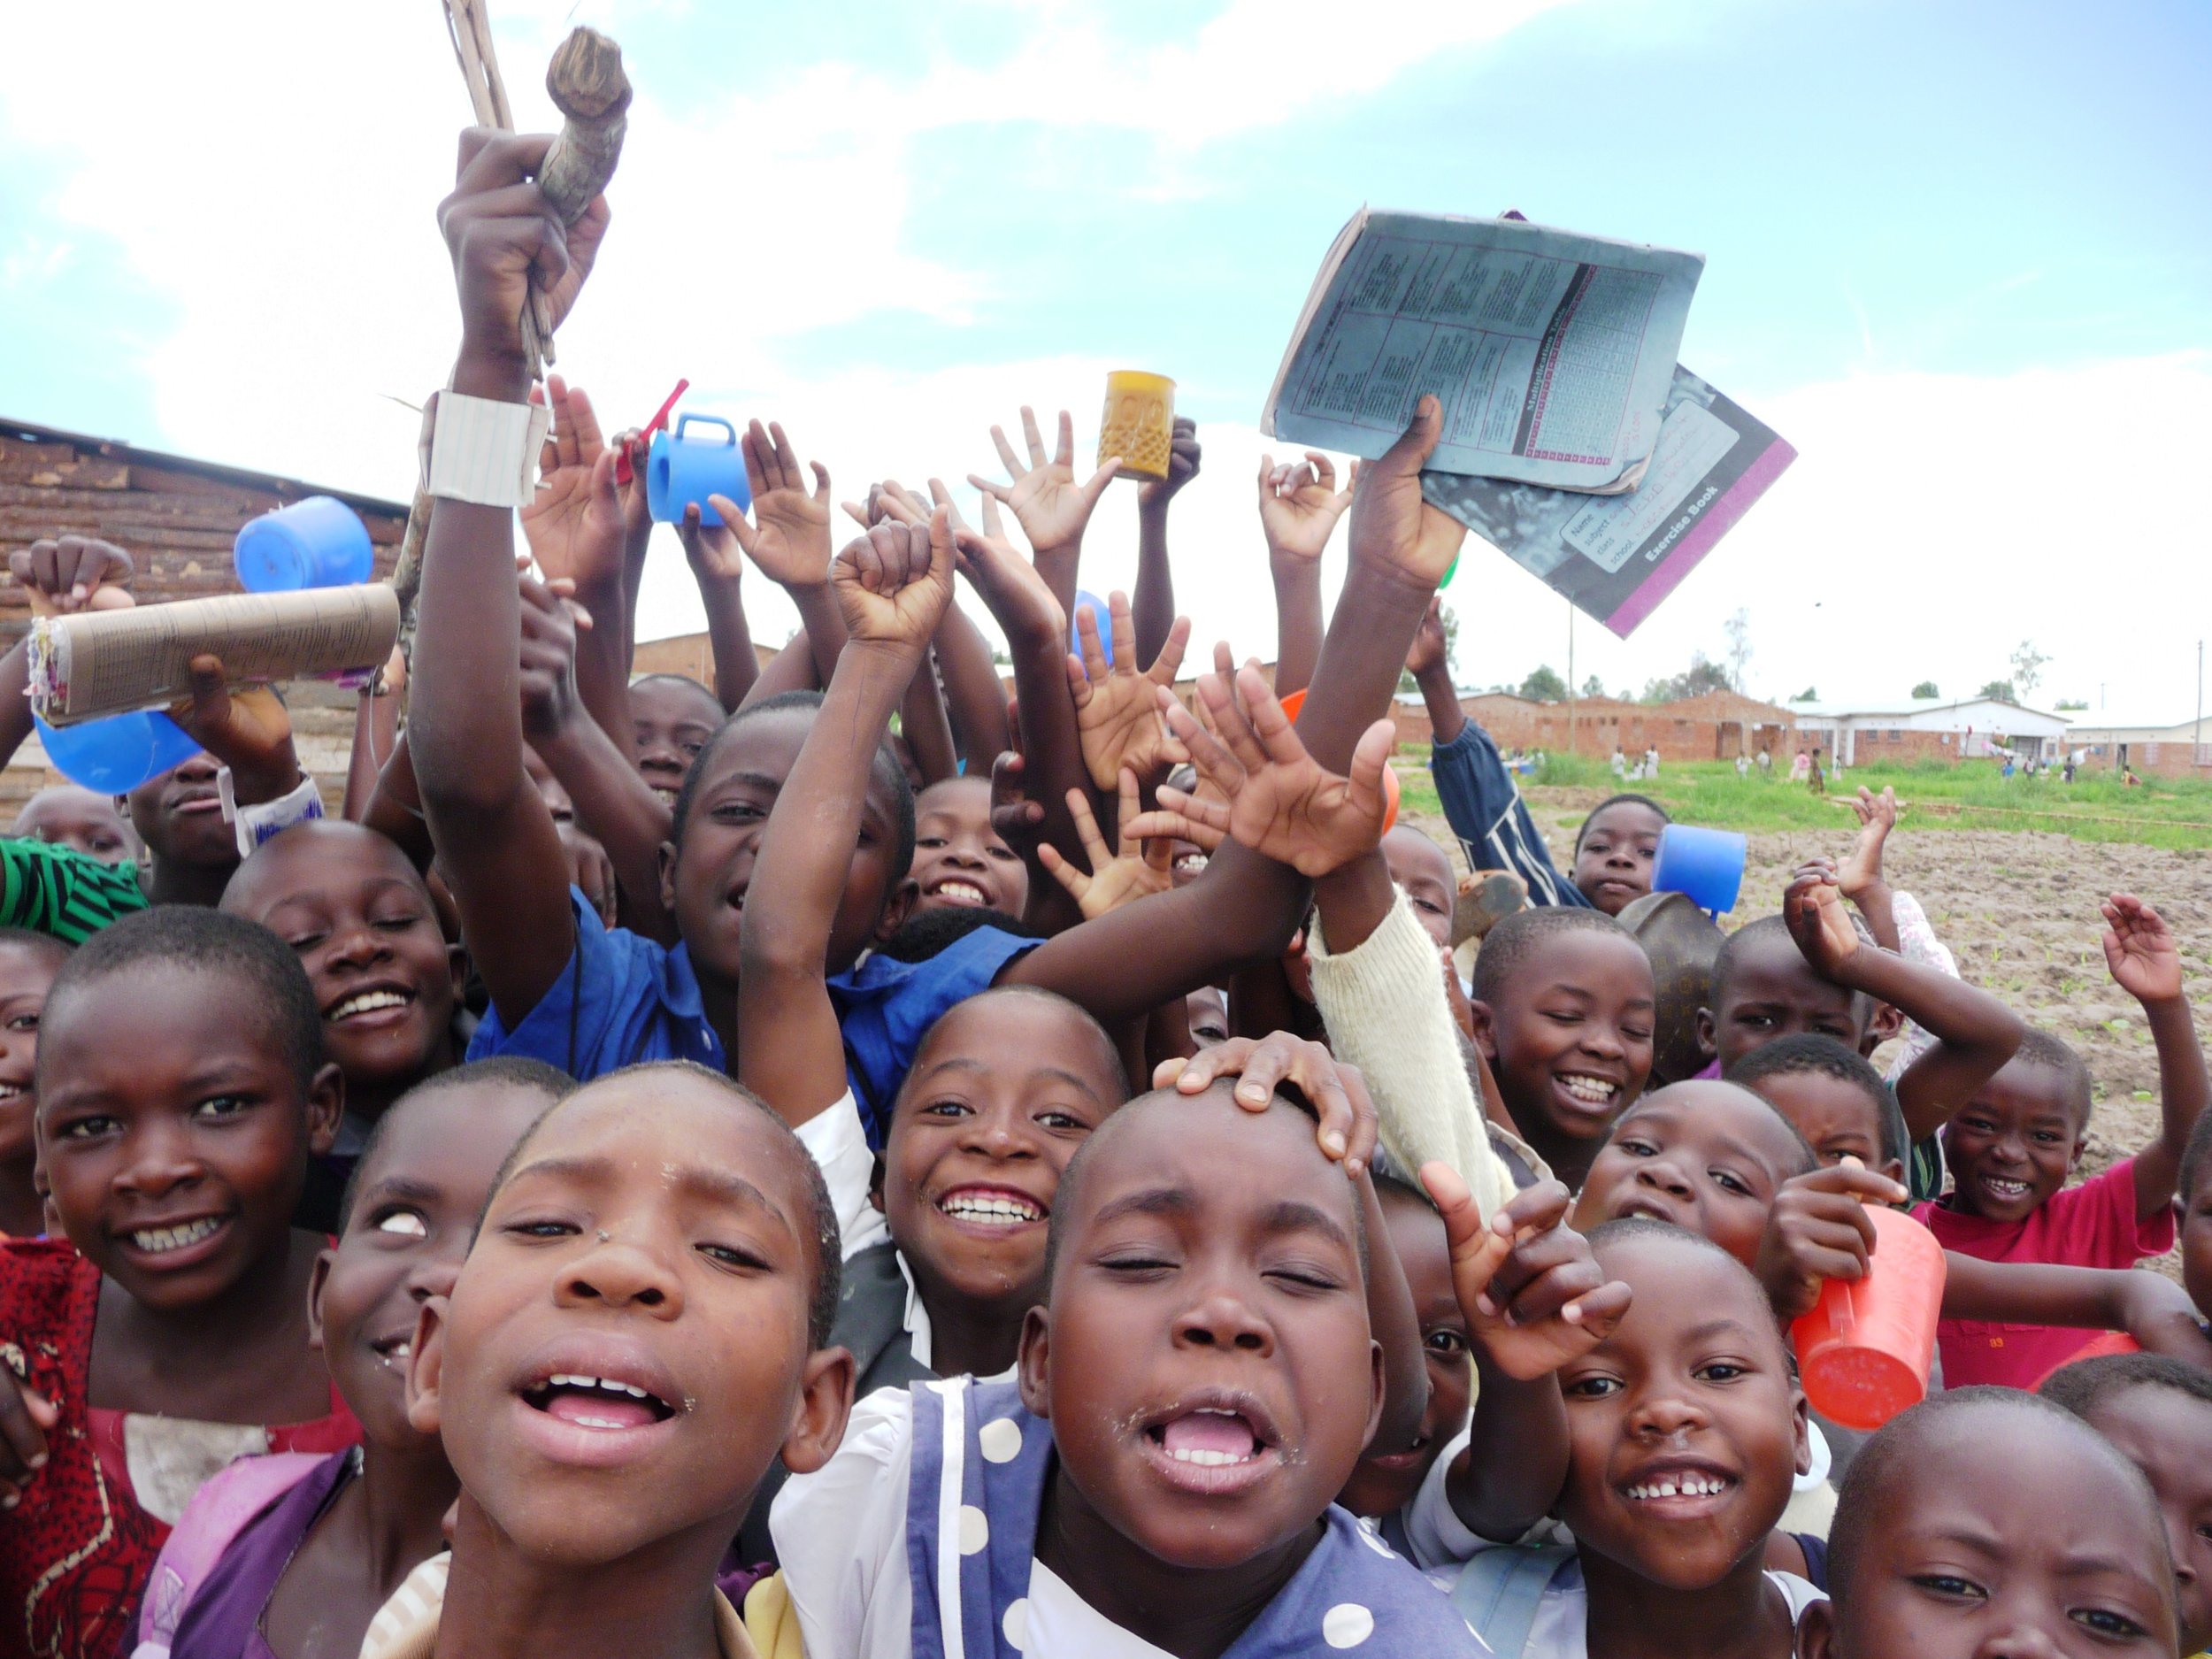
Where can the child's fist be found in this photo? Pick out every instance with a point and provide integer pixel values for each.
(1427, 651)
(63, 575)
(505, 238)
(1818, 1230)
(894, 583)
(1393, 527)
(25, 1419)
(1533, 1294)
(2139, 950)
(1812, 906)
(1183, 456)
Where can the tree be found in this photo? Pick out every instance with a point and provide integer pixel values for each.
(1445, 614)
(2068, 706)
(2027, 667)
(2000, 690)
(1701, 676)
(1739, 631)
(1809, 694)
(1926, 688)
(1544, 686)
(1593, 687)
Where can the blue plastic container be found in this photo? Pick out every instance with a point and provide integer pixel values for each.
(1705, 865)
(318, 543)
(1101, 615)
(116, 755)
(681, 469)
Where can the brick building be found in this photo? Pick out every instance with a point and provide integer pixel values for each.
(177, 518)
(1713, 726)
(1968, 728)
(2153, 748)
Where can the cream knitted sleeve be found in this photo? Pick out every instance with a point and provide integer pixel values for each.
(1385, 1007)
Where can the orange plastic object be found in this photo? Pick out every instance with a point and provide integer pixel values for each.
(1864, 1351)
(1138, 422)
(1392, 788)
(2098, 1347)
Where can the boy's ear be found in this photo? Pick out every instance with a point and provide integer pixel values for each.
(425, 1366)
(1375, 1389)
(456, 960)
(1817, 1630)
(897, 908)
(1033, 1363)
(1706, 1046)
(317, 1278)
(665, 861)
(326, 1105)
(818, 1417)
(1895, 1168)
(876, 1171)
(1485, 1030)
(1888, 1019)
(1800, 1429)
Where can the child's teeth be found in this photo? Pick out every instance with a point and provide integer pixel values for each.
(367, 1003)
(157, 1240)
(997, 1212)
(1590, 1089)
(1207, 1459)
(562, 1379)
(1683, 1487)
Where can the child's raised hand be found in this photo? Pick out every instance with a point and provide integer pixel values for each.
(1812, 907)
(574, 522)
(1116, 709)
(894, 583)
(1346, 1126)
(1016, 596)
(788, 535)
(504, 236)
(1183, 457)
(1426, 654)
(1051, 507)
(1299, 505)
(1393, 527)
(60, 575)
(1014, 819)
(1277, 799)
(26, 1418)
(550, 619)
(1818, 1230)
(249, 730)
(2139, 950)
(1533, 1294)
(1877, 816)
(1133, 870)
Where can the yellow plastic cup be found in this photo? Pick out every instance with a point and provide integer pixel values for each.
(1138, 422)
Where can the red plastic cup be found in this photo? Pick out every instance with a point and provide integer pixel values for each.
(1863, 1352)
(2102, 1345)
(1392, 788)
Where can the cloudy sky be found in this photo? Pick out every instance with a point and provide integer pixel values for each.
(1960, 254)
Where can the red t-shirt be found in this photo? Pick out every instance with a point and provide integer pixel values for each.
(2094, 1224)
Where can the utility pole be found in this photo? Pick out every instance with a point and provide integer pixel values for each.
(1570, 676)
(2196, 742)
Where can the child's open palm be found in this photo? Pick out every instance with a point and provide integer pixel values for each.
(1812, 906)
(1132, 870)
(1117, 709)
(1048, 502)
(1299, 505)
(894, 583)
(574, 522)
(788, 535)
(1533, 1294)
(1277, 799)
(2139, 949)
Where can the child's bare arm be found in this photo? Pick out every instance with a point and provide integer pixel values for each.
(925, 726)
(394, 809)
(375, 735)
(791, 668)
(1976, 1034)
(505, 862)
(2149, 1307)
(1534, 1298)
(1299, 505)
(891, 585)
(1426, 661)
(1153, 602)
(975, 698)
(1860, 875)
(2139, 950)
(712, 552)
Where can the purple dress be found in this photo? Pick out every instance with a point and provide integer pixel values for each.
(224, 1619)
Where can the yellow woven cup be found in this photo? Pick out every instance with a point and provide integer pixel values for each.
(1138, 422)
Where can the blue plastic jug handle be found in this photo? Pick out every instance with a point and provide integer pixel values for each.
(705, 420)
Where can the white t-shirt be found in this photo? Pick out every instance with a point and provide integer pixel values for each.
(1561, 1630)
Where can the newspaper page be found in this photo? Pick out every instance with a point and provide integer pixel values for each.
(99, 663)
(1550, 350)
(1617, 557)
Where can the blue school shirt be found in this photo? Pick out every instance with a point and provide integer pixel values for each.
(976, 1486)
(1484, 807)
(624, 999)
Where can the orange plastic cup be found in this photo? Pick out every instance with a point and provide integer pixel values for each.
(1392, 788)
(1864, 1351)
(2101, 1346)
(1138, 422)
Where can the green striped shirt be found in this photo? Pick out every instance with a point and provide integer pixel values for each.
(54, 889)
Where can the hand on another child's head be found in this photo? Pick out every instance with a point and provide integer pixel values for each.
(2139, 950)
(62, 574)
(1818, 1230)
(1337, 1093)
(1533, 1294)
(1812, 906)
(894, 583)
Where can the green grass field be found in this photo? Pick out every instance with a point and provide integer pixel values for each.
(2161, 812)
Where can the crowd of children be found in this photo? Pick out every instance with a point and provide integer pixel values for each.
(850, 1163)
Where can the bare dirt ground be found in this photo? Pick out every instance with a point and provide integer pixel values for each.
(2020, 913)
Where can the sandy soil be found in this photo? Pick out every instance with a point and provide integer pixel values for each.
(2019, 911)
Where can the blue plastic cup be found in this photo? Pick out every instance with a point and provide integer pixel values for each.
(318, 543)
(116, 755)
(680, 471)
(1706, 865)
(1101, 615)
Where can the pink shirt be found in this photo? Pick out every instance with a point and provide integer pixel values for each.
(2094, 1224)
